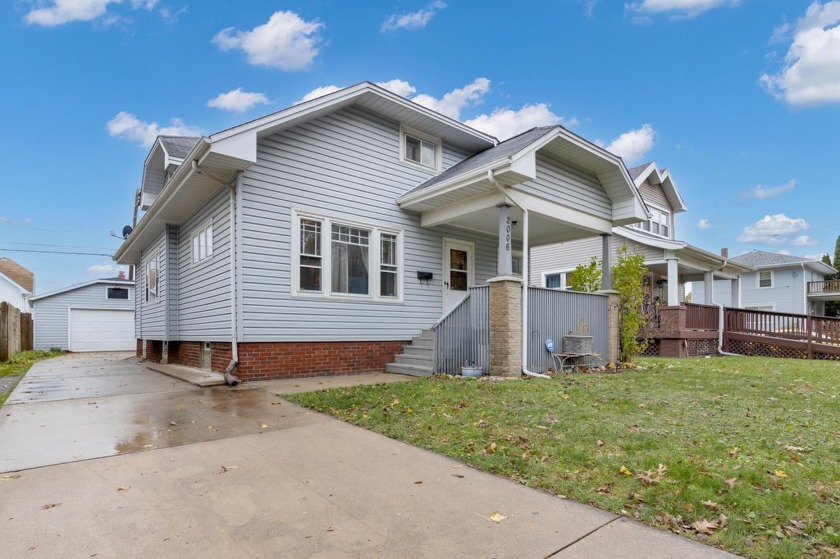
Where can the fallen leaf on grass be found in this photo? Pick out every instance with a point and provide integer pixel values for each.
(704, 526)
(651, 478)
(490, 449)
(625, 471)
(604, 489)
(778, 473)
(50, 506)
(123, 488)
(710, 504)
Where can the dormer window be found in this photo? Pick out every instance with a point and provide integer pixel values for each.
(420, 148)
(658, 224)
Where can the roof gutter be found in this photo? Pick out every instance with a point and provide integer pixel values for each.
(175, 184)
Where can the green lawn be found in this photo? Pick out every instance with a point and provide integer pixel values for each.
(749, 448)
(20, 363)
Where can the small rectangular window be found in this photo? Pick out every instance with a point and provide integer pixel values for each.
(202, 244)
(152, 282)
(765, 279)
(118, 293)
(421, 151)
(310, 255)
(388, 266)
(556, 281)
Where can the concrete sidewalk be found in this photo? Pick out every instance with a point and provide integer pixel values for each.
(311, 487)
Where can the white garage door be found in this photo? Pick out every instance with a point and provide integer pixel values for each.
(101, 330)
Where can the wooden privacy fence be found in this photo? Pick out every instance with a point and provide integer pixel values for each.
(15, 331)
(772, 334)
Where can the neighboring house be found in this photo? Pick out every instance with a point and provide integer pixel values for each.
(14, 294)
(322, 238)
(780, 283)
(671, 263)
(93, 316)
(16, 285)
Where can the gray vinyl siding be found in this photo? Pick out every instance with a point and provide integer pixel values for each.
(342, 166)
(655, 196)
(563, 185)
(786, 294)
(151, 324)
(171, 302)
(50, 315)
(204, 288)
(566, 256)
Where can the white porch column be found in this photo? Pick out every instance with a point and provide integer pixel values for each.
(606, 265)
(709, 288)
(735, 285)
(504, 262)
(673, 282)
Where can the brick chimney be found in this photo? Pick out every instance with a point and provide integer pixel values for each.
(121, 275)
(724, 252)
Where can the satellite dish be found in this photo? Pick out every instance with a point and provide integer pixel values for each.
(126, 231)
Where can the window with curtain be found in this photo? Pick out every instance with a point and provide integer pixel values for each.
(152, 279)
(353, 260)
(349, 260)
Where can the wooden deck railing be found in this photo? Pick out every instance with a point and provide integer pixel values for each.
(701, 317)
(827, 286)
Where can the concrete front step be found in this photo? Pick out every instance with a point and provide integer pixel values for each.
(416, 360)
(412, 370)
(427, 352)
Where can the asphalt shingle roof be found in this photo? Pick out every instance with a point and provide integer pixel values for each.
(636, 171)
(178, 146)
(761, 259)
(480, 159)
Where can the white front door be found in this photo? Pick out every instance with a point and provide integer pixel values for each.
(458, 272)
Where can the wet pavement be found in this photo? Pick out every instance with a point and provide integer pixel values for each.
(83, 406)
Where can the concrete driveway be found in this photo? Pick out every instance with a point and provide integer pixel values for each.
(241, 473)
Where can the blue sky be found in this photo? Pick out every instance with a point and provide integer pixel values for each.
(739, 99)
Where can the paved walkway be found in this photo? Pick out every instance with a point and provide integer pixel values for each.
(256, 476)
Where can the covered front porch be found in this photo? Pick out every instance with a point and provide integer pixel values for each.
(544, 186)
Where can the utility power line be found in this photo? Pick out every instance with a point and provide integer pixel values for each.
(55, 252)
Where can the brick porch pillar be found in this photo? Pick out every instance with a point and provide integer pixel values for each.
(505, 326)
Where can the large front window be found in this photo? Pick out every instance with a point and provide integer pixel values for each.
(356, 260)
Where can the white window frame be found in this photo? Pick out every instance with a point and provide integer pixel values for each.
(657, 215)
(374, 255)
(196, 236)
(758, 279)
(564, 278)
(514, 255)
(151, 297)
(109, 287)
(423, 137)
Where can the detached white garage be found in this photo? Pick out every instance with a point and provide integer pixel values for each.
(93, 316)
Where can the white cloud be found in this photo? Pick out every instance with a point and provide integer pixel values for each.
(704, 224)
(102, 269)
(318, 92)
(679, 8)
(400, 87)
(811, 71)
(804, 241)
(762, 193)
(505, 123)
(128, 126)
(452, 103)
(633, 144)
(773, 230)
(413, 20)
(59, 12)
(286, 41)
(237, 101)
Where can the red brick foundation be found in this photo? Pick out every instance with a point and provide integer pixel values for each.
(276, 360)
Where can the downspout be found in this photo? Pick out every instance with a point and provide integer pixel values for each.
(721, 312)
(234, 346)
(525, 271)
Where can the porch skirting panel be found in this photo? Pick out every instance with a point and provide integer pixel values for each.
(279, 360)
